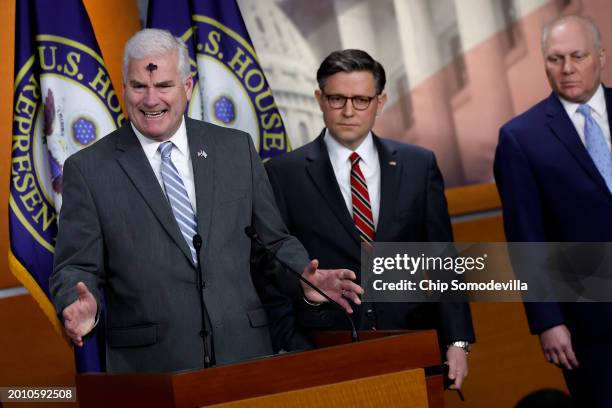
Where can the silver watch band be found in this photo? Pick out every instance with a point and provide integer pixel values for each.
(465, 345)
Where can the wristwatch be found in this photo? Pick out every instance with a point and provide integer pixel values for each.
(465, 345)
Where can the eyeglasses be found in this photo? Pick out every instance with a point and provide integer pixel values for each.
(359, 102)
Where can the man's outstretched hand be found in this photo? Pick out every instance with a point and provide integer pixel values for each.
(336, 283)
(80, 316)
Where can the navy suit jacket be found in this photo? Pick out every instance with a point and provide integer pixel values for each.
(412, 208)
(552, 191)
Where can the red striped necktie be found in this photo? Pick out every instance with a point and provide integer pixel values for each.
(362, 210)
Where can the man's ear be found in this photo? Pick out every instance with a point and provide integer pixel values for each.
(188, 84)
(382, 99)
(318, 94)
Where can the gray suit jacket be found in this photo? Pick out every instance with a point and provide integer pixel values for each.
(118, 235)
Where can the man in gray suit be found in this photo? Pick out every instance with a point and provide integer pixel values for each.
(153, 217)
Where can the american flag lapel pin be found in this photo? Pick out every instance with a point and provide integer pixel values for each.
(202, 153)
(392, 163)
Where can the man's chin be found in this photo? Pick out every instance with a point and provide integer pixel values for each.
(573, 94)
(152, 132)
(349, 138)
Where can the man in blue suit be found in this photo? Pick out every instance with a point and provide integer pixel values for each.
(348, 187)
(553, 169)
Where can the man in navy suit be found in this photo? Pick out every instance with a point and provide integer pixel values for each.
(348, 187)
(554, 188)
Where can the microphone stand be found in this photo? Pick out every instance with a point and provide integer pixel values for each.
(201, 282)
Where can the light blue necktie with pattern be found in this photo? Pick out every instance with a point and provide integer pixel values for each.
(596, 145)
(177, 196)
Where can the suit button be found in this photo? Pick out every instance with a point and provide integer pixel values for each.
(372, 316)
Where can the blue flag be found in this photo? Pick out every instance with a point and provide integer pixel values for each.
(230, 87)
(63, 101)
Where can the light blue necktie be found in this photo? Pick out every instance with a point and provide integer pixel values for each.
(596, 145)
(177, 196)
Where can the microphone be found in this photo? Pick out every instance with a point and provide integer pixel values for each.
(252, 234)
(201, 282)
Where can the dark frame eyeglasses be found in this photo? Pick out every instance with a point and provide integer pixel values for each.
(360, 102)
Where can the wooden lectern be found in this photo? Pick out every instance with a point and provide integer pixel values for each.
(373, 361)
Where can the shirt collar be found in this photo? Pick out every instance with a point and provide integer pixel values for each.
(597, 103)
(150, 146)
(338, 153)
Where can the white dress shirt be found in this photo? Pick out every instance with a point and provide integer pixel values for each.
(369, 165)
(599, 112)
(180, 157)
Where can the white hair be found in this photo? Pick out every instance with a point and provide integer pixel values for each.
(156, 42)
(586, 22)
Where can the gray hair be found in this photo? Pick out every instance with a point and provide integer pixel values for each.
(586, 22)
(155, 42)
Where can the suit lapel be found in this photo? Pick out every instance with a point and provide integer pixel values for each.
(201, 147)
(134, 162)
(608, 96)
(321, 172)
(564, 129)
(390, 170)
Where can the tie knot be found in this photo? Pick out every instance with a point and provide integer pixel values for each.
(585, 110)
(354, 158)
(166, 149)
